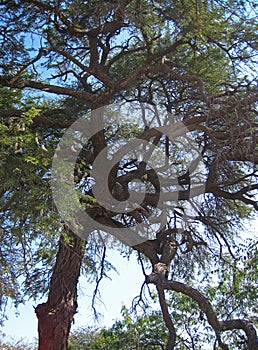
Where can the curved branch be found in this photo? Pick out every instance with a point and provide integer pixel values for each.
(216, 324)
(164, 308)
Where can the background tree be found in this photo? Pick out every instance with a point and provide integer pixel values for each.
(192, 58)
(14, 344)
(146, 332)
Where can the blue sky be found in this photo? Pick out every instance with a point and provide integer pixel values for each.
(114, 293)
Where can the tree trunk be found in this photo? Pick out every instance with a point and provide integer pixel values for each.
(56, 315)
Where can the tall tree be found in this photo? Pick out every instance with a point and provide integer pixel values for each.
(194, 60)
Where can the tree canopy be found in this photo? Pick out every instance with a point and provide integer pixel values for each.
(185, 66)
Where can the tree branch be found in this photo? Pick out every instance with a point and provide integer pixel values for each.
(239, 195)
(206, 307)
(59, 90)
(166, 316)
(43, 119)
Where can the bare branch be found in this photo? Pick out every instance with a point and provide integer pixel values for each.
(99, 279)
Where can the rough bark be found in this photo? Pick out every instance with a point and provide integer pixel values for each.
(56, 315)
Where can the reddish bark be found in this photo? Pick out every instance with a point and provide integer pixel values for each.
(56, 315)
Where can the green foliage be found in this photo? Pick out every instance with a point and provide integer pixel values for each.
(146, 332)
(196, 59)
(235, 288)
(26, 209)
